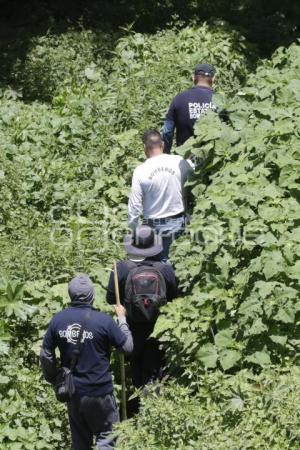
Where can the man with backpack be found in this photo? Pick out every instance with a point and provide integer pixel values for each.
(158, 191)
(84, 336)
(145, 285)
(188, 106)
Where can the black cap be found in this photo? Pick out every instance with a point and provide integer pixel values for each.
(143, 242)
(205, 69)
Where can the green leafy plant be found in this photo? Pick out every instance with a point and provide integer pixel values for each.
(231, 412)
(66, 162)
(240, 257)
(56, 61)
(11, 301)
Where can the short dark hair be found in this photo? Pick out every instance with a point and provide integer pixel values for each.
(152, 139)
(198, 77)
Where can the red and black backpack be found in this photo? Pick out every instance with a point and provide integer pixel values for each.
(145, 291)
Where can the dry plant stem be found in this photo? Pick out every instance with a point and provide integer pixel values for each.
(122, 359)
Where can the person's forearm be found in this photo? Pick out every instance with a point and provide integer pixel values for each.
(134, 212)
(135, 202)
(133, 221)
(48, 364)
(127, 347)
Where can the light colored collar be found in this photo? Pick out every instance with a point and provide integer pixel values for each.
(135, 258)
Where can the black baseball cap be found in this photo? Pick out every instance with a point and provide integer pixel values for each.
(205, 69)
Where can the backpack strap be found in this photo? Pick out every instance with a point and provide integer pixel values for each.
(78, 346)
(157, 265)
(131, 264)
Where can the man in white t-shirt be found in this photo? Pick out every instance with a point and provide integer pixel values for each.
(157, 191)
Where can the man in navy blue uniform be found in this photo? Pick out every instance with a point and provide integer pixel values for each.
(143, 247)
(93, 410)
(189, 106)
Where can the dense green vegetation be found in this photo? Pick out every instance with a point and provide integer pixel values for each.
(242, 411)
(70, 128)
(241, 266)
(267, 25)
(237, 326)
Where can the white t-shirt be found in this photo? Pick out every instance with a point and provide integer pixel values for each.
(157, 188)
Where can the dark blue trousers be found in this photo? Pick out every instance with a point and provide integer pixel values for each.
(93, 416)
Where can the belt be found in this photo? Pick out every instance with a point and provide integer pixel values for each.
(163, 220)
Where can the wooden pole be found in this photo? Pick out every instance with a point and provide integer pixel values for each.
(122, 360)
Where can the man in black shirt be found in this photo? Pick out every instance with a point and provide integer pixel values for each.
(189, 106)
(92, 410)
(143, 248)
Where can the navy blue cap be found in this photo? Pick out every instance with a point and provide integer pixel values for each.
(205, 69)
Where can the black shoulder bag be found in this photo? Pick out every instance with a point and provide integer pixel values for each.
(64, 386)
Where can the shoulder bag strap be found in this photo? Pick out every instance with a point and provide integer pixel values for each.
(78, 346)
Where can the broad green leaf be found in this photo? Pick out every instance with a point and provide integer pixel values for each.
(4, 348)
(257, 327)
(294, 271)
(207, 355)
(273, 264)
(285, 315)
(295, 87)
(250, 308)
(278, 339)
(224, 338)
(262, 358)
(4, 379)
(229, 358)
(265, 288)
